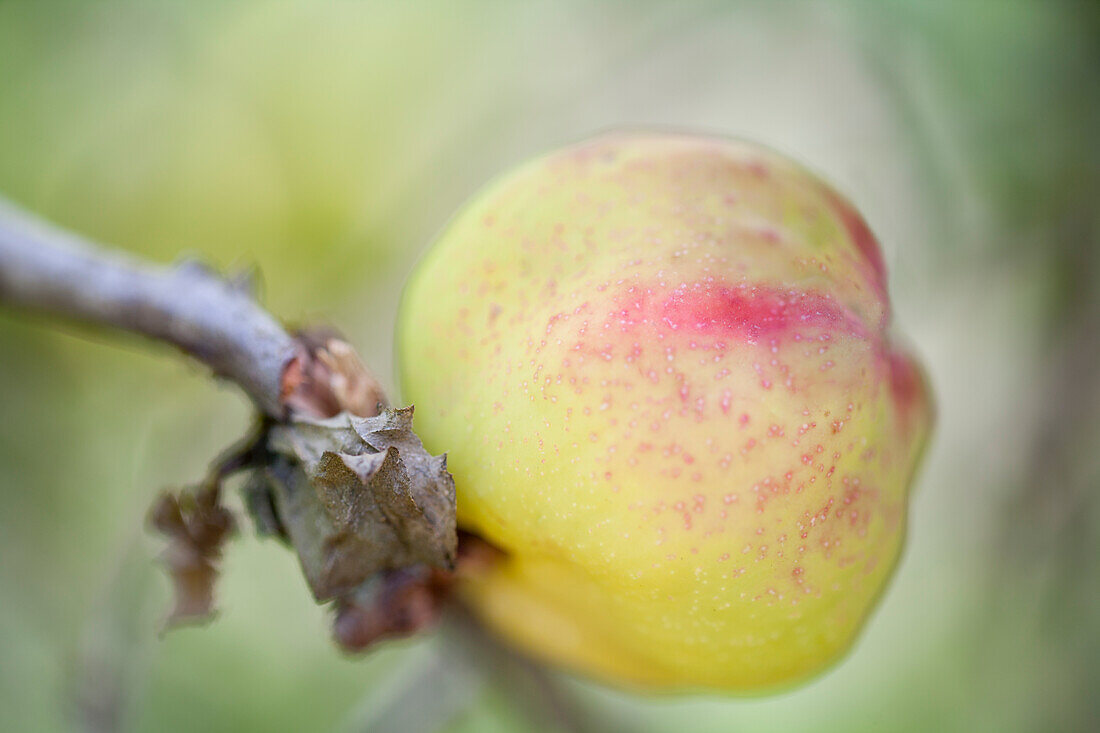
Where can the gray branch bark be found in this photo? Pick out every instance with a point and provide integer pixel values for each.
(47, 269)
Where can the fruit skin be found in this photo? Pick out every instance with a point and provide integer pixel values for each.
(660, 368)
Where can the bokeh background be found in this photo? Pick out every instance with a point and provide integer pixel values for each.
(326, 142)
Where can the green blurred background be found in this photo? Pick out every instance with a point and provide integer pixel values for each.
(326, 142)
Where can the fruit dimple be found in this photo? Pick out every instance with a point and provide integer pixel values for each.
(907, 386)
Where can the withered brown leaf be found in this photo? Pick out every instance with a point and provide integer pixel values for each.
(197, 526)
(368, 498)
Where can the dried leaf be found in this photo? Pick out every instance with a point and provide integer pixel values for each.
(392, 604)
(424, 508)
(368, 499)
(402, 602)
(197, 526)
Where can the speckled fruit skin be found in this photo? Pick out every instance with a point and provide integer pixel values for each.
(660, 367)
